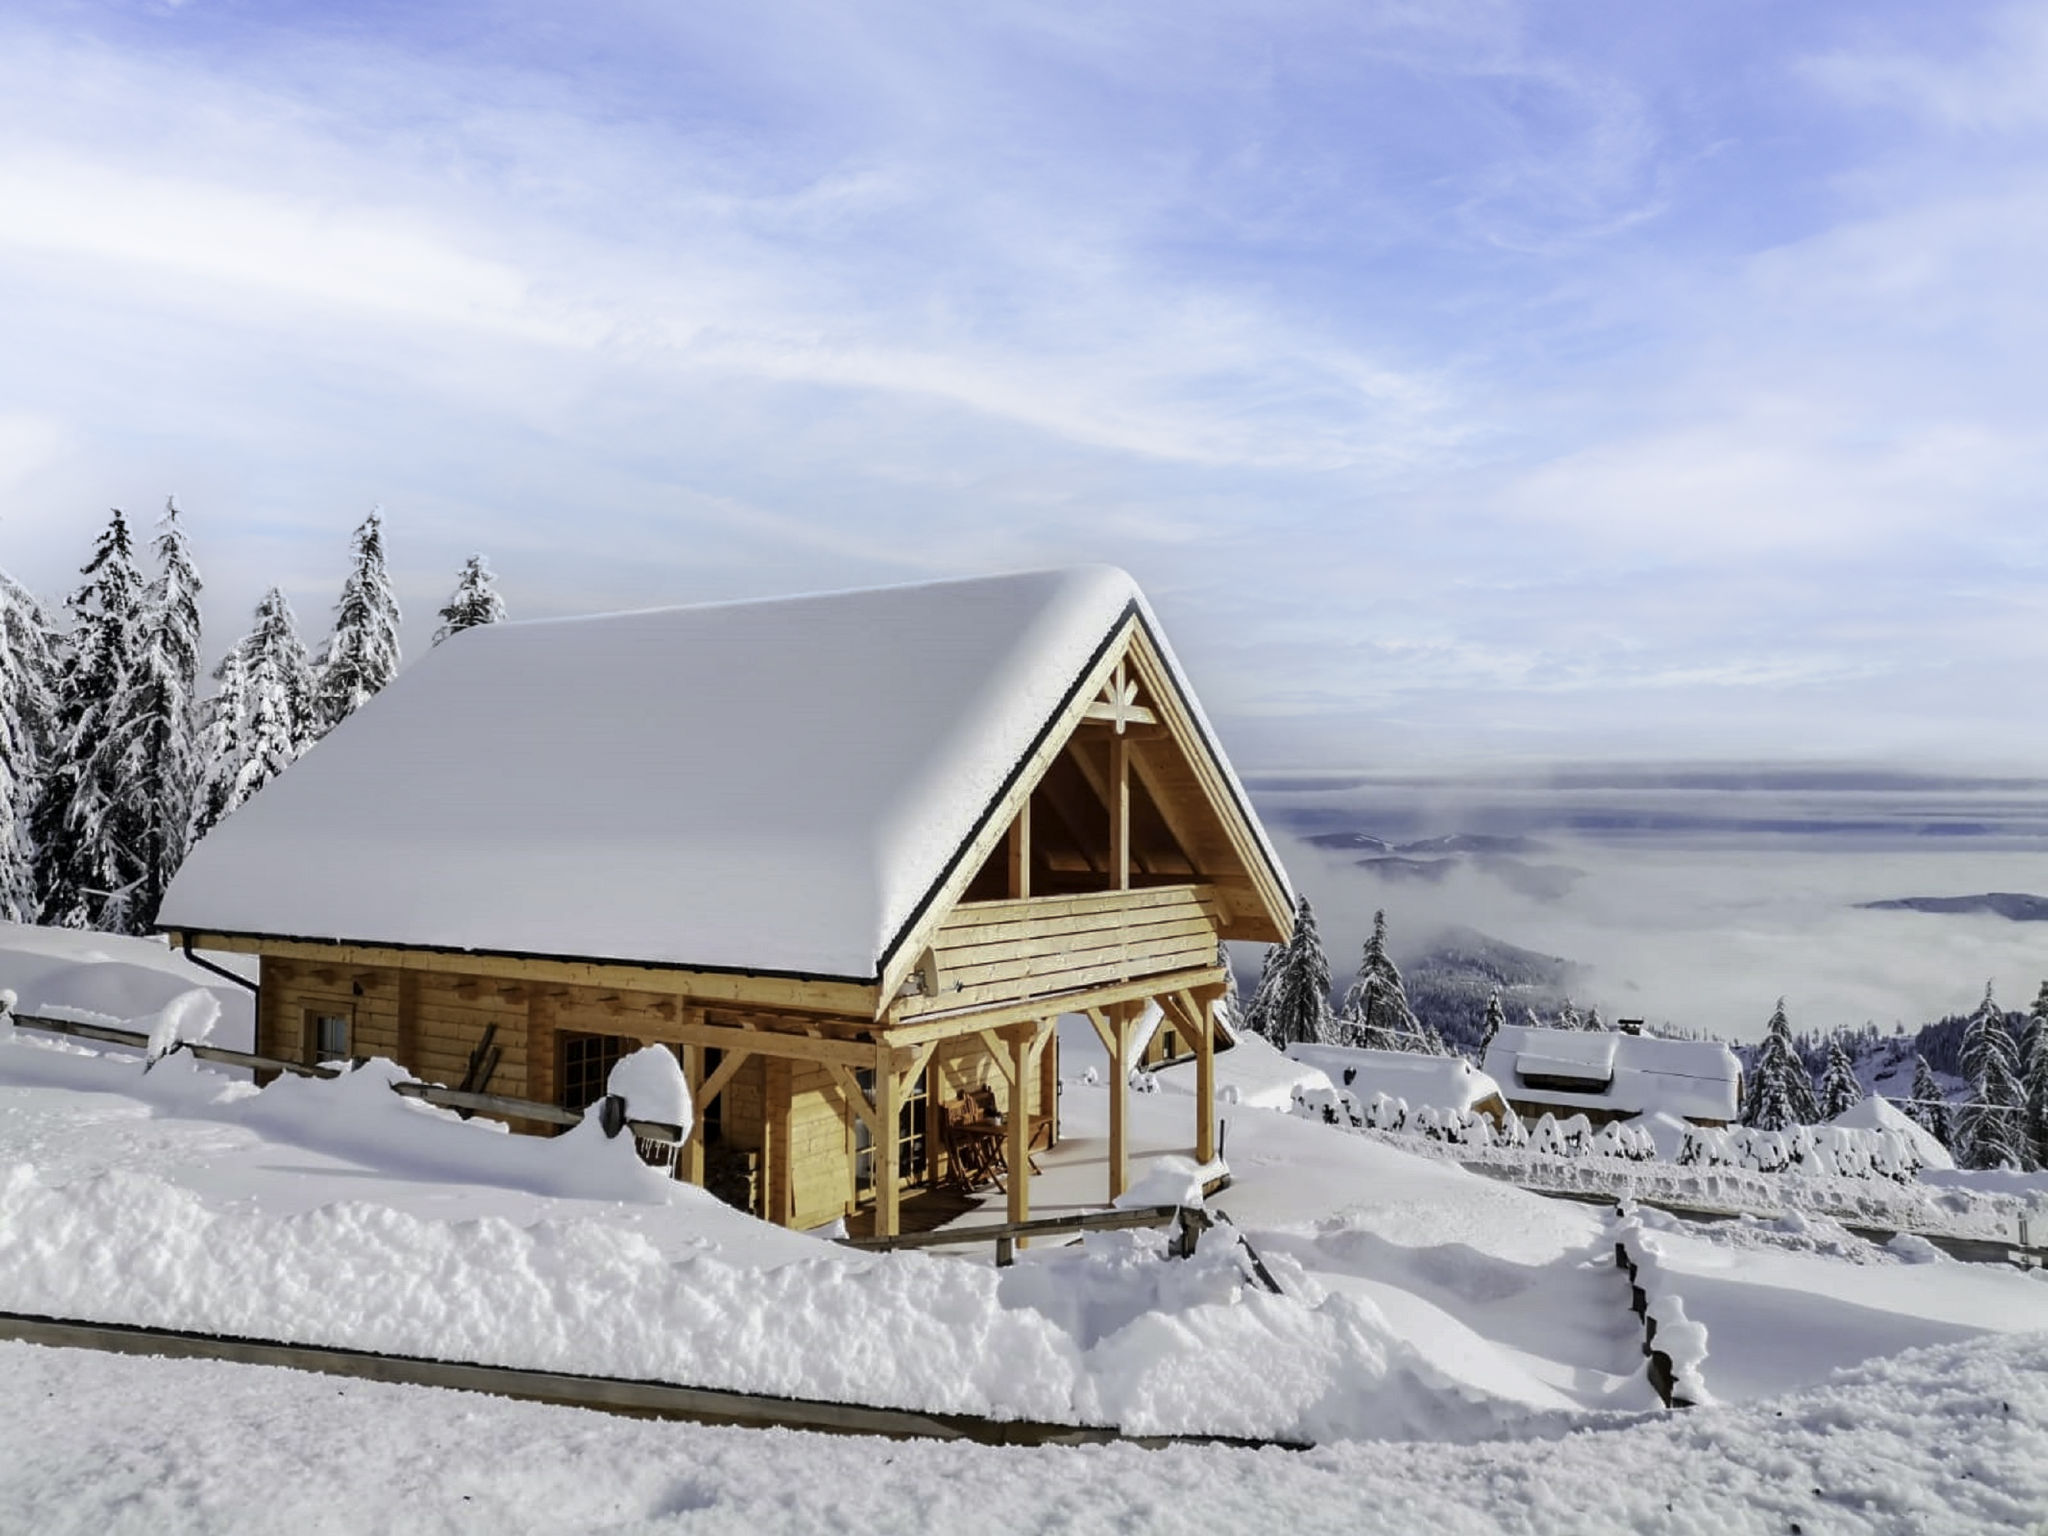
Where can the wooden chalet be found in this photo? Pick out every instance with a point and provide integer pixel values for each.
(851, 855)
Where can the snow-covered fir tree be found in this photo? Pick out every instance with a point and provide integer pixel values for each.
(1568, 1017)
(1990, 1126)
(1258, 1012)
(1839, 1090)
(28, 659)
(1495, 1017)
(2034, 1082)
(1779, 1093)
(1300, 1009)
(475, 600)
(362, 653)
(262, 715)
(1376, 1014)
(1593, 1020)
(86, 834)
(1230, 1006)
(150, 754)
(1929, 1105)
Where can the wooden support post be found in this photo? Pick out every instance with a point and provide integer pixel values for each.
(1049, 1079)
(409, 1029)
(888, 1096)
(690, 1162)
(1205, 1075)
(1020, 851)
(1121, 1096)
(1020, 1044)
(1120, 810)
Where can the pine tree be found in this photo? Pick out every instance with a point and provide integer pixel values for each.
(1593, 1019)
(1568, 1016)
(262, 716)
(2034, 1082)
(1780, 1094)
(475, 600)
(1230, 1006)
(1839, 1090)
(1258, 1015)
(150, 753)
(362, 653)
(1376, 1012)
(1495, 1017)
(1929, 1106)
(1991, 1126)
(1300, 1011)
(28, 659)
(87, 836)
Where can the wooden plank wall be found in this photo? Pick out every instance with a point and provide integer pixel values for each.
(790, 1112)
(998, 951)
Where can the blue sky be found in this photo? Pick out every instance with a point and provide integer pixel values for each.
(1463, 381)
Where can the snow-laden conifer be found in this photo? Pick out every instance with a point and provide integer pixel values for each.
(1779, 1093)
(1258, 1013)
(1990, 1126)
(263, 713)
(1568, 1017)
(1300, 1008)
(2034, 1082)
(362, 653)
(1929, 1105)
(1495, 1017)
(150, 752)
(475, 600)
(1593, 1021)
(1376, 1013)
(28, 659)
(1839, 1090)
(86, 833)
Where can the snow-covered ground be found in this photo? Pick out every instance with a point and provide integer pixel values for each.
(1461, 1349)
(1947, 1440)
(70, 973)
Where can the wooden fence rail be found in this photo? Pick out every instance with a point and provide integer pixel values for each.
(612, 1110)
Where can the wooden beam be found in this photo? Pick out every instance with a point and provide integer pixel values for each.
(888, 1210)
(845, 999)
(1205, 1076)
(1170, 811)
(1079, 1000)
(1019, 1069)
(1119, 1099)
(1120, 811)
(714, 1085)
(771, 1042)
(1130, 714)
(1020, 853)
(856, 1101)
(690, 1161)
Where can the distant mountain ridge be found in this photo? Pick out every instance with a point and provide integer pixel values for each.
(2018, 906)
(1432, 858)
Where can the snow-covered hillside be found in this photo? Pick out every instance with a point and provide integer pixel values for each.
(1465, 1345)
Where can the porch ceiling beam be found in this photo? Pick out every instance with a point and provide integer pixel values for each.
(1050, 1005)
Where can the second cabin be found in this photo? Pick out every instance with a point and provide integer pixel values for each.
(851, 855)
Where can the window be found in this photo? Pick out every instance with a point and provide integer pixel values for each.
(912, 1151)
(327, 1037)
(586, 1065)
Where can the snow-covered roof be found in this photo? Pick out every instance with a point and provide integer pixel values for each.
(772, 786)
(1442, 1082)
(1628, 1074)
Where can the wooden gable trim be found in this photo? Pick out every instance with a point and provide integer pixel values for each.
(1129, 647)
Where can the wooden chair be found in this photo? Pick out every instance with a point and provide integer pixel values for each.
(1040, 1140)
(974, 1145)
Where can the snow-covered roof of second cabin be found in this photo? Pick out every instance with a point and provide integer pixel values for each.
(1604, 1069)
(779, 786)
(1442, 1082)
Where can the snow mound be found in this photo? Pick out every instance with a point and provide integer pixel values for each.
(1442, 1082)
(186, 1019)
(650, 1080)
(1877, 1113)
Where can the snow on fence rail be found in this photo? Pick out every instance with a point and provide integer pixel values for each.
(1856, 1176)
(1675, 1345)
(612, 1110)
